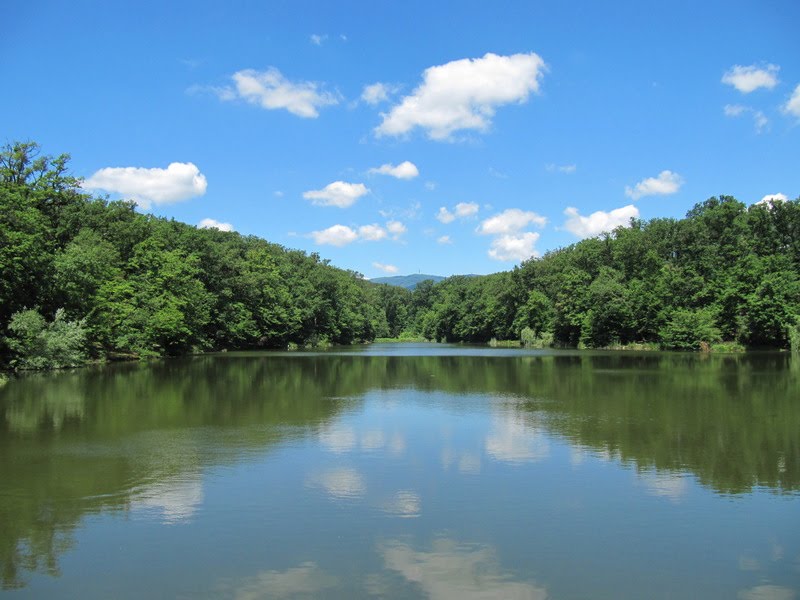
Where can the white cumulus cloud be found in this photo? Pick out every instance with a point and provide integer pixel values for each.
(272, 91)
(598, 221)
(376, 93)
(338, 193)
(336, 235)
(179, 181)
(666, 183)
(770, 198)
(341, 235)
(405, 170)
(317, 39)
(214, 224)
(385, 268)
(445, 239)
(462, 210)
(509, 221)
(445, 216)
(371, 233)
(792, 106)
(396, 228)
(747, 79)
(464, 94)
(466, 209)
(514, 246)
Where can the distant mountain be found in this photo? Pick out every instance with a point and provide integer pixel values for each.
(407, 281)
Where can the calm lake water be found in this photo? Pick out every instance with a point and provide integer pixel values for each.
(405, 471)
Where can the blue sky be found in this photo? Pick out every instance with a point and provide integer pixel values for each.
(498, 130)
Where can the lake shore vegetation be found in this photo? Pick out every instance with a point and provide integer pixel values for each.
(86, 279)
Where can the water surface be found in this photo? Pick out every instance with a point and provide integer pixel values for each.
(405, 471)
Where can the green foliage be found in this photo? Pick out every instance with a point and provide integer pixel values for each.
(37, 344)
(535, 315)
(146, 286)
(690, 330)
(793, 333)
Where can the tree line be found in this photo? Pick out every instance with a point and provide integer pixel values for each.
(726, 272)
(86, 278)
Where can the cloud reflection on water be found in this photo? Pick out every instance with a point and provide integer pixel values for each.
(343, 483)
(457, 571)
(767, 592)
(306, 580)
(513, 440)
(665, 484)
(175, 499)
(338, 439)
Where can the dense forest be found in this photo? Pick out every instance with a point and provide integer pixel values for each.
(85, 278)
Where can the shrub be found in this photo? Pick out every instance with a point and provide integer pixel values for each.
(37, 344)
(690, 330)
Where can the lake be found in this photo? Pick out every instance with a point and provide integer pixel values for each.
(405, 470)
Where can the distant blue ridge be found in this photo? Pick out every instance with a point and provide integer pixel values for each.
(407, 281)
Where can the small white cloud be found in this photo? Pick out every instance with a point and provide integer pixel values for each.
(462, 210)
(405, 170)
(509, 221)
(341, 235)
(567, 169)
(464, 94)
(598, 221)
(750, 78)
(336, 235)
(378, 92)
(385, 268)
(272, 91)
(772, 198)
(514, 246)
(317, 39)
(498, 174)
(430, 185)
(338, 193)
(445, 216)
(792, 106)
(760, 120)
(734, 110)
(445, 239)
(213, 224)
(179, 181)
(278, 194)
(371, 233)
(666, 183)
(466, 209)
(396, 228)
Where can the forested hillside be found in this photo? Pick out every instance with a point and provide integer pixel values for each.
(85, 278)
(725, 272)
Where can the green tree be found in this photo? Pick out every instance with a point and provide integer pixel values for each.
(37, 344)
(690, 330)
